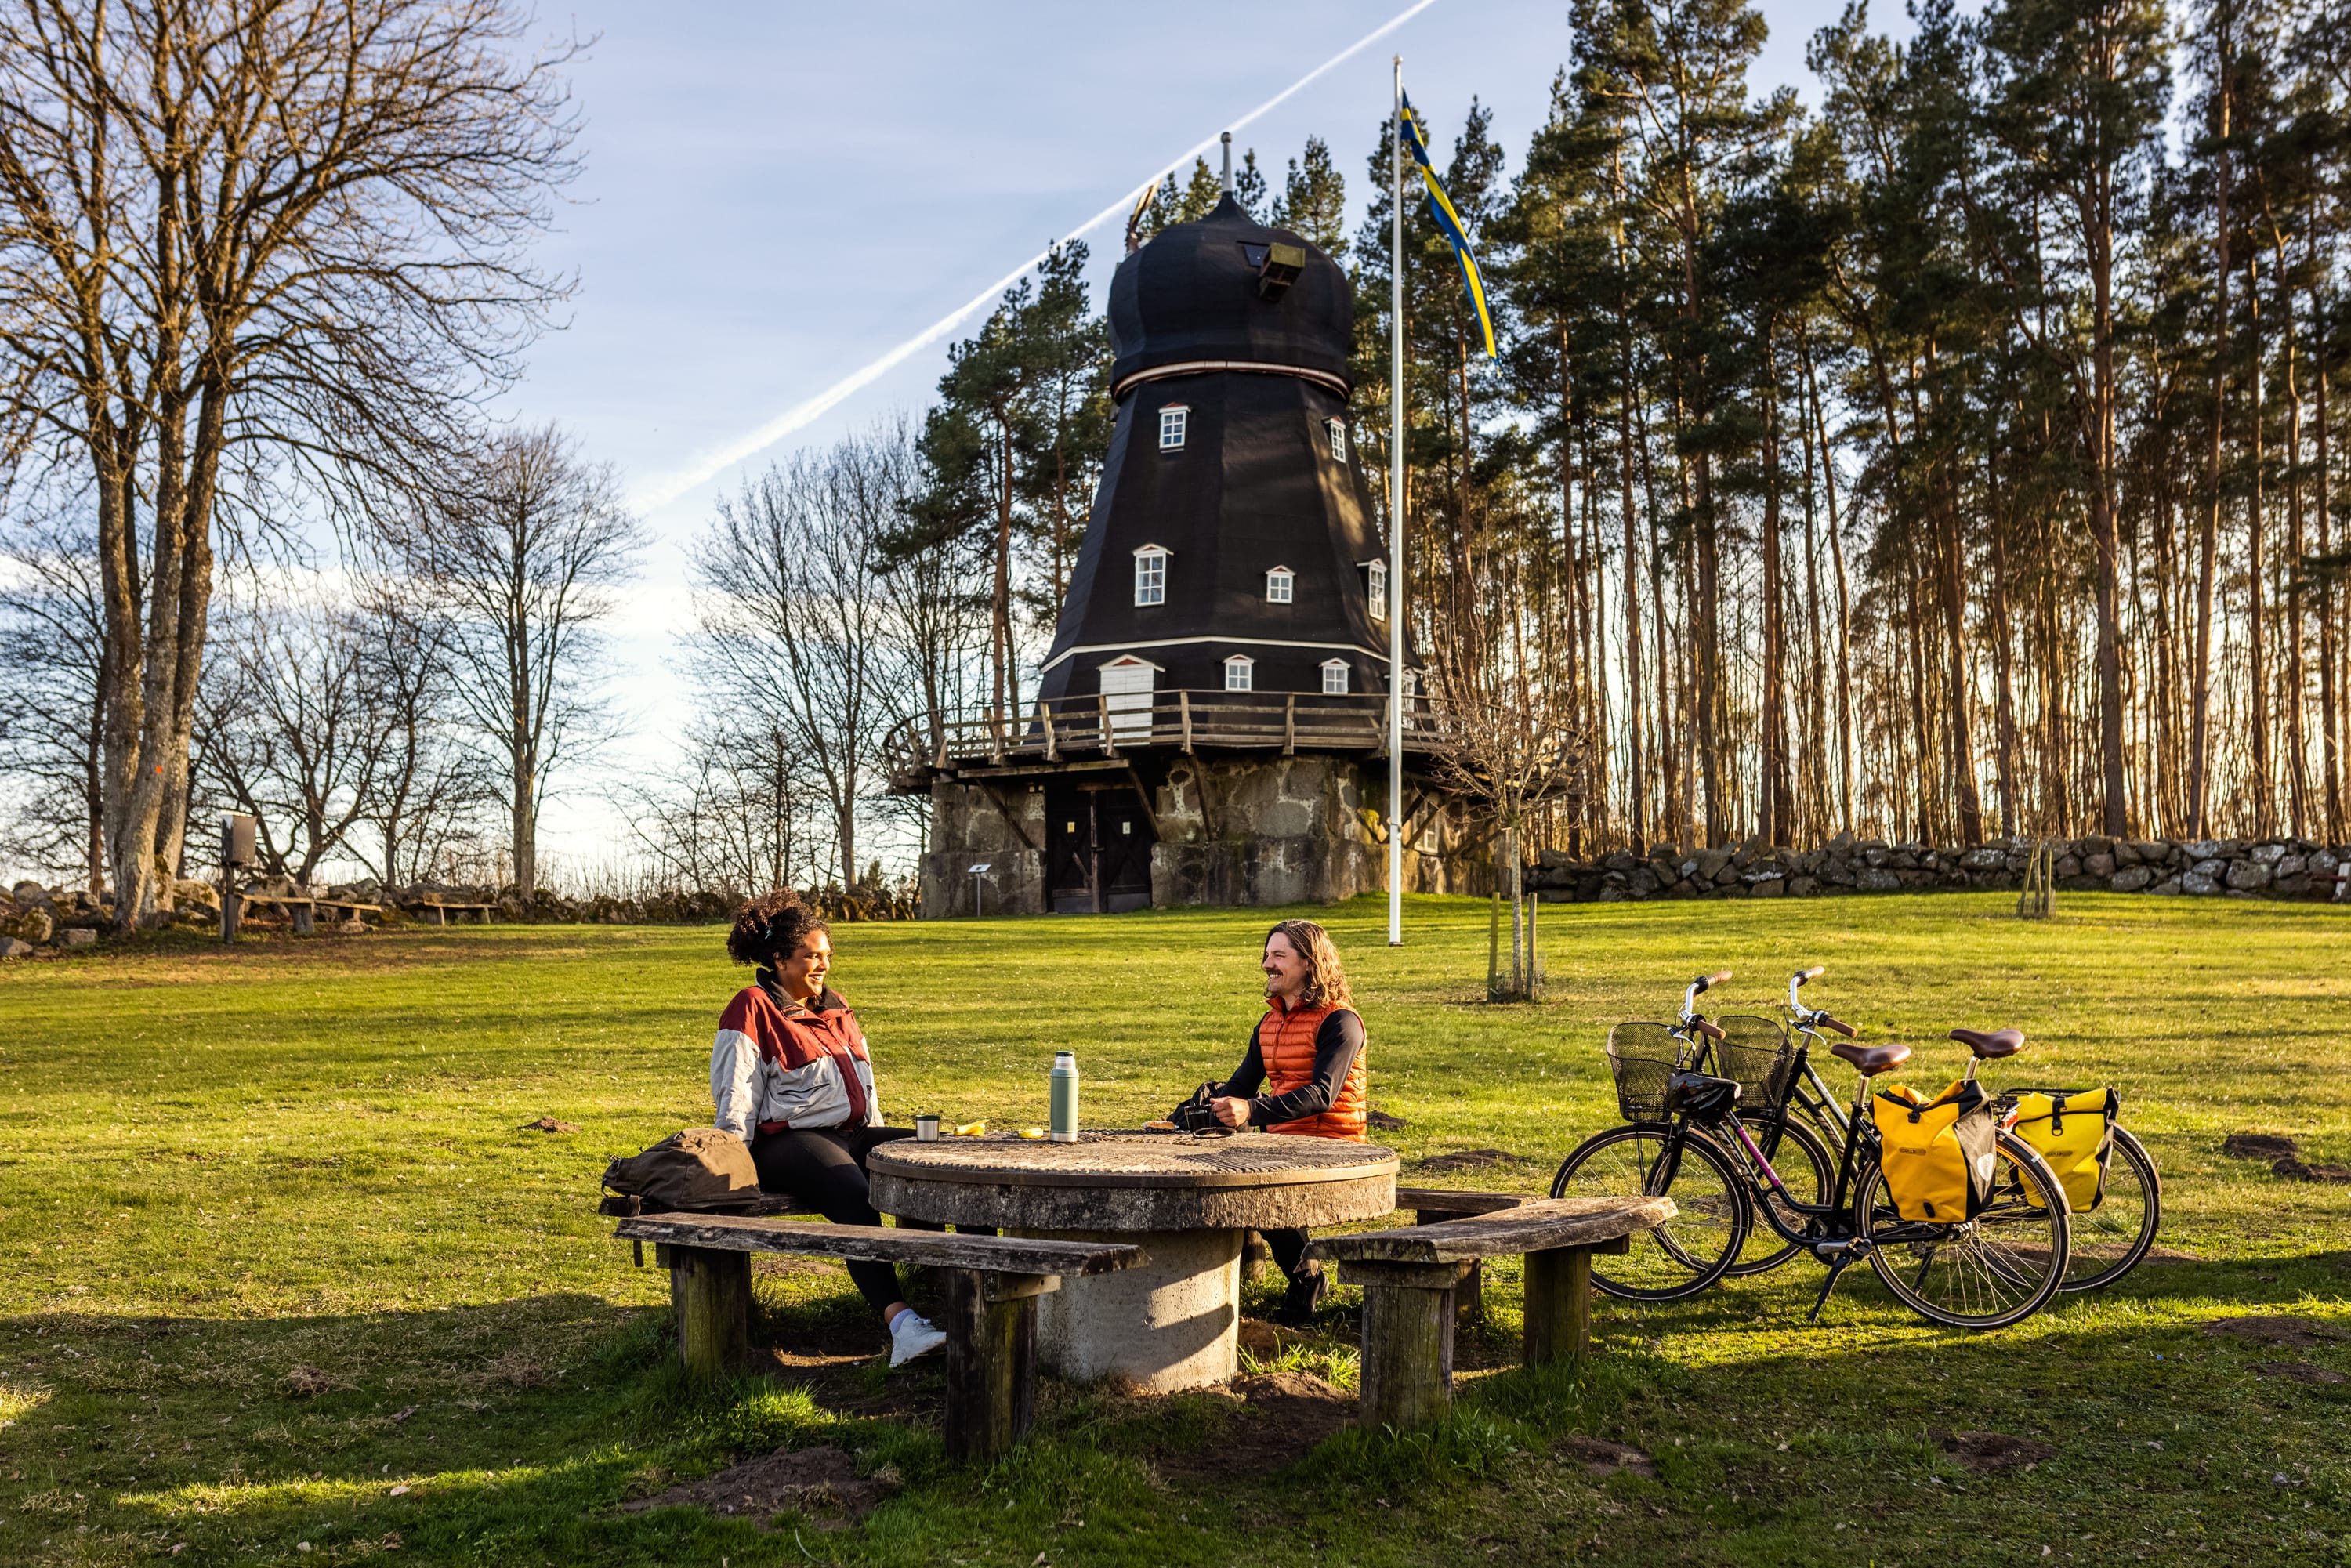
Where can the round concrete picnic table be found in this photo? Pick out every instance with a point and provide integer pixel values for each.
(1188, 1202)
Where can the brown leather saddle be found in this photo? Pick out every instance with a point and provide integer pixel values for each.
(1993, 1045)
(1871, 1059)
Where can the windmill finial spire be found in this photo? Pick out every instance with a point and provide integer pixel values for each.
(1229, 162)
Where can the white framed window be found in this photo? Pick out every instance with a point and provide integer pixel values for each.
(1281, 585)
(1334, 677)
(1240, 673)
(1338, 429)
(1151, 575)
(1172, 422)
(1375, 588)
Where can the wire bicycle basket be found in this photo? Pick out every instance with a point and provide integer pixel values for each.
(1641, 1057)
(1755, 1053)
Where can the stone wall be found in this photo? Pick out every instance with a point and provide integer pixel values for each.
(2207, 868)
(1245, 830)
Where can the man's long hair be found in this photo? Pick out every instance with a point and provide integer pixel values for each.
(1326, 982)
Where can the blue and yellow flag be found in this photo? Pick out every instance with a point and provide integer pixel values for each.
(1440, 207)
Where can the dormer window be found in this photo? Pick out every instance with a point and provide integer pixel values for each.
(1151, 575)
(1171, 421)
(1334, 677)
(1338, 429)
(1240, 673)
(1375, 588)
(1280, 584)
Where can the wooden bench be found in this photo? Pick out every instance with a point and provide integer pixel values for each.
(301, 911)
(1435, 1206)
(441, 911)
(993, 1283)
(1409, 1276)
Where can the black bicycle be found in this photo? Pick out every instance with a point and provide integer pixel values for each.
(1688, 1135)
(2109, 1237)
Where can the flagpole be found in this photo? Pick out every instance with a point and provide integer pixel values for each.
(1396, 693)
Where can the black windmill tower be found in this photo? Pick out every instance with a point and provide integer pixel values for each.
(1212, 710)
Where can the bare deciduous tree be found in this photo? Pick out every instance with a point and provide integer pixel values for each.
(53, 698)
(793, 621)
(735, 819)
(283, 236)
(428, 788)
(520, 544)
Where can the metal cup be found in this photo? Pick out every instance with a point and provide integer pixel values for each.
(926, 1129)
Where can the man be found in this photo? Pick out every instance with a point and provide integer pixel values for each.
(1307, 1059)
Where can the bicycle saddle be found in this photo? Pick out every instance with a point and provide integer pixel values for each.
(1988, 1047)
(1871, 1060)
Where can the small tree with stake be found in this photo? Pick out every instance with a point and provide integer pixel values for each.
(1509, 741)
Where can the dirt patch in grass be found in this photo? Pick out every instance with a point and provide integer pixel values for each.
(2283, 1155)
(1283, 1415)
(1988, 1453)
(1471, 1160)
(820, 1484)
(2284, 1332)
(1605, 1458)
(2300, 1371)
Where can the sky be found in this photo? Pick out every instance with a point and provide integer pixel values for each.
(773, 197)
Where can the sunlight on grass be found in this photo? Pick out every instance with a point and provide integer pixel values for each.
(275, 1241)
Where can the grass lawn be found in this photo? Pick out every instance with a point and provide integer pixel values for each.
(281, 1279)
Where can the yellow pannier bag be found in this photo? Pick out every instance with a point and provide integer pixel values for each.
(2074, 1130)
(1937, 1155)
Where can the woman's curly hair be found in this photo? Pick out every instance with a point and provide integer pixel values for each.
(770, 927)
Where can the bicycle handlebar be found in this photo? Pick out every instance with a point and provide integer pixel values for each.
(1814, 973)
(1704, 981)
(1842, 1027)
(1706, 1028)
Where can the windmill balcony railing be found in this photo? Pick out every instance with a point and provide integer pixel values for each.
(1107, 723)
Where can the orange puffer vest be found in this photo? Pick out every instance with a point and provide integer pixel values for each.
(1285, 1040)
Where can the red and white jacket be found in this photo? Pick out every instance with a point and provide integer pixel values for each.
(778, 1064)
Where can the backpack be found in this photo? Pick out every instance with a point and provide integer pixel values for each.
(2074, 1130)
(1938, 1155)
(705, 1169)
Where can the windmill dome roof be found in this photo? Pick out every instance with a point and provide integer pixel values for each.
(1191, 297)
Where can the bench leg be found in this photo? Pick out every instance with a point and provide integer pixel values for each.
(991, 1328)
(1469, 1295)
(1407, 1372)
(1559, 1304)
(710, 1293)
(440, 915)
(306, 922)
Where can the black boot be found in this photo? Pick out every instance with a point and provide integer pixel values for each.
(1308, 1287)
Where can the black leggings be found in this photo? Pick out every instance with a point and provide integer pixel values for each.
(824, 1168)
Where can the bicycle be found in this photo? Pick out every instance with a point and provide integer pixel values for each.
(1992, 1270)
(2110, 1239)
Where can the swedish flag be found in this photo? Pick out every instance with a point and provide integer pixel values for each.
(1440, 207)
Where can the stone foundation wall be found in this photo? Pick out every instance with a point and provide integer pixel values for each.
(1234, 831)
(2207, 868)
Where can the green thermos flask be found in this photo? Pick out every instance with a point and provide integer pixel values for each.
(1065, 1097)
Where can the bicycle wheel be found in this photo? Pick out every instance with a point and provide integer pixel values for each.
(1689, 1251)
(2109, 1240)
(1995, 1270)
(1810, 1172)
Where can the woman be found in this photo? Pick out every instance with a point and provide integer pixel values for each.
(1307, 1054)
(790, 1077)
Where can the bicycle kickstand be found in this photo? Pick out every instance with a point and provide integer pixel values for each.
(1837, 1266)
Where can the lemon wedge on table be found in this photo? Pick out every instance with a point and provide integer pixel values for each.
(971, 1129)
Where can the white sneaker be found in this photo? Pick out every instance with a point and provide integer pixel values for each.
(912, 1335)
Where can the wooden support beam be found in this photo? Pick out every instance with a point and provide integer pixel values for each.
(1406, 1379)
(1289, 726)
(710, 1296)
(1184, 706)
(1102, 711)
(1559, 1304)
(1052, 743)
(991, 1328)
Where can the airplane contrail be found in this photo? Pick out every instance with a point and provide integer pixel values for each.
(710, 464)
